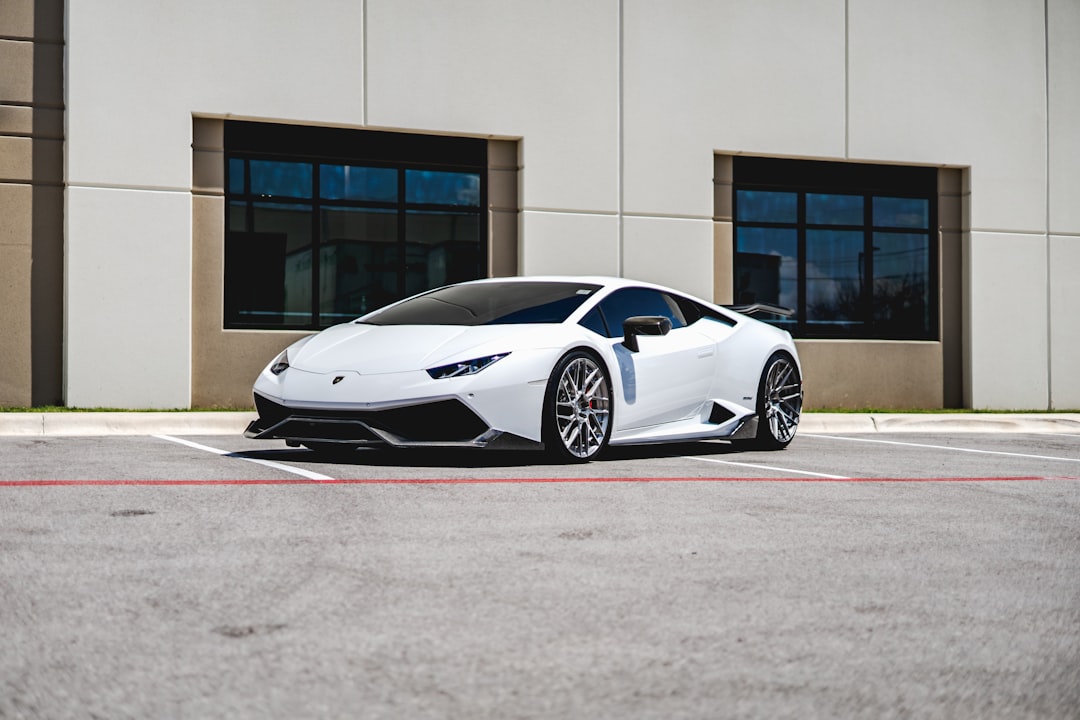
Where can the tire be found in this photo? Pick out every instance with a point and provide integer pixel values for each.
(577, 408)
(779, 403)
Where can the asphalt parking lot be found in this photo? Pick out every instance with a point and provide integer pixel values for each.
(852, 575)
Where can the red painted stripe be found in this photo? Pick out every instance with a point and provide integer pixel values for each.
(509, 480)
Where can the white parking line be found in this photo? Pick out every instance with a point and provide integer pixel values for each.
(765, 467)
(266, 463)
(945, 447)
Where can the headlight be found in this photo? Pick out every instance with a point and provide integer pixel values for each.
(467, 367)
(281, 364)
(284, 361)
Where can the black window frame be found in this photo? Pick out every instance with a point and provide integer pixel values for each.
(318, 146)
(869, 181)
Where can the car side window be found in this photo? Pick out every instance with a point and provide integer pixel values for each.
(631, 302)
(695, 311)
(594, 321)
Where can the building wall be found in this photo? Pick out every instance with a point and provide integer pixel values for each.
(31, 201)
(618, 109)
(1063, 207)
(136, 75)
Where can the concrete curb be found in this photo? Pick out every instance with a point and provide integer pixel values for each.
(72, 424)
(826, 423)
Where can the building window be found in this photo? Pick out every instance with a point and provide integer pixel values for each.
(325, 224)
(851, 248)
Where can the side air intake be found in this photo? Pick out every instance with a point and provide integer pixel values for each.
(720, 414)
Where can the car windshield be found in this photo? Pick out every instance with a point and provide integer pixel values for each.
(488, 303)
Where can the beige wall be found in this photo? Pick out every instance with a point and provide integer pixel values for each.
(31, 202)
(871, 374)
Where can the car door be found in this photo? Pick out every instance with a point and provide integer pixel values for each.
(670, 376)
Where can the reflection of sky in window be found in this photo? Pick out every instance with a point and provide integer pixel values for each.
(767, 206)
(442, 188)
(901, 212)
(899, 256)
(236, 176)
(778, 242)
(348, 182)
(834, 209)
(271, 178)
(834, 262)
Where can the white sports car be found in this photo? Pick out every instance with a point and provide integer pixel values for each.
(570, 364)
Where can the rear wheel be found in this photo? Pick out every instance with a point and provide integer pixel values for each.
(779, 404)
(577, 408)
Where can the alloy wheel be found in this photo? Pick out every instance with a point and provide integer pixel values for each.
(783, 399)
(582, 407)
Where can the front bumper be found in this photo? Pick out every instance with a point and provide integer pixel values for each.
(446, 422)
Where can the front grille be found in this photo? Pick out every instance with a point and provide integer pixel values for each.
(441, 421)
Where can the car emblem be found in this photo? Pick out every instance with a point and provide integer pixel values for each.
(338, 379)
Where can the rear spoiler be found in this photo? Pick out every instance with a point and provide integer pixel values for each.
(758, 308)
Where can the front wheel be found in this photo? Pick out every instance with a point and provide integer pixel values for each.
(779, 404)
(577, 408)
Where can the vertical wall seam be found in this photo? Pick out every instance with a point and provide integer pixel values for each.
(363, 64)
(1049, 260)
(619, 133)
(847, 82)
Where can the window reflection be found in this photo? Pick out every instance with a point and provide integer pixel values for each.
(767, 206)
(236, 175)
(284, 238)
(442, 188)
(901, 282)
(349, 182)
(767, 267)
(311, 243)
(443, 247)
(358, 262)
(901, 212)
(834, 276)
(848, 246)
(834, 209)
(280, 179)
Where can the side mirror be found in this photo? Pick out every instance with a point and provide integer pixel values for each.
(643, 325)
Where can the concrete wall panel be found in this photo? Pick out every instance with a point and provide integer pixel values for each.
(15, 356)
(17, 80)
(128, 304)
(17, 20)
(137, 72)
(742, 76)
(1064, 102)
(1008, 322)
(871, 374)
(960, 83)
(1064, 323)
(565, 244)
(544, 71)
(672, 252)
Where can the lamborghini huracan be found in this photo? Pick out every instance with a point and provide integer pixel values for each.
(571, 365)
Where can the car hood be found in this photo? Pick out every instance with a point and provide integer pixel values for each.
(376, 349)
